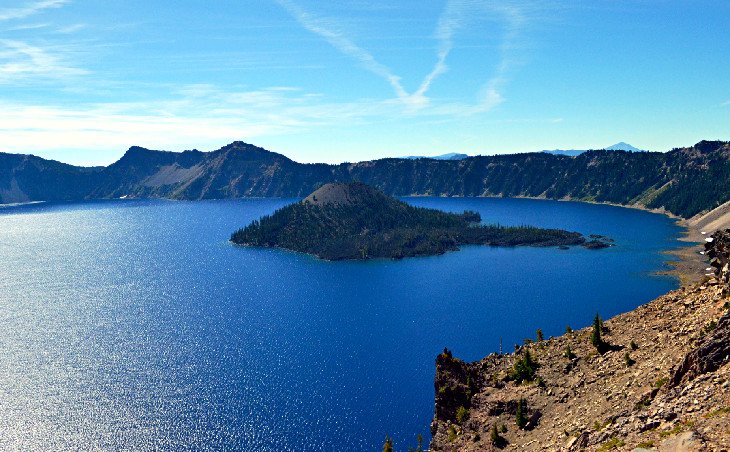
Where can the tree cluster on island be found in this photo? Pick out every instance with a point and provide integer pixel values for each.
(352, 220)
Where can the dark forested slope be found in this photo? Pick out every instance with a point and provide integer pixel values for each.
(355, 221)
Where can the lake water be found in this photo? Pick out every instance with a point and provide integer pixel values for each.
(135, 324)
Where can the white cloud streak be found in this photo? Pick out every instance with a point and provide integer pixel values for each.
(22, 62)
(71, 28)
(451, 20)
(514, 18)
(338, 40)
(29, 9)
(28, 27)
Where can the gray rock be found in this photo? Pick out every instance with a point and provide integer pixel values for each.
(684, 442)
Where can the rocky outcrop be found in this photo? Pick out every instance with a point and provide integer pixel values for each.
(663, 384)
(712, 353)
(717, 249)
(455, 384)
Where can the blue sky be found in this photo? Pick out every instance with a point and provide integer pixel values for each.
(350, 80)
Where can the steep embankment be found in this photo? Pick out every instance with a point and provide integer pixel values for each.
(662, 380)
(684, 182)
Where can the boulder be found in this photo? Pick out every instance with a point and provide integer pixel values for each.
(684, 442)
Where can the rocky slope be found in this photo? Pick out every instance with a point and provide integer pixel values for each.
(685, 181)
(662, 382)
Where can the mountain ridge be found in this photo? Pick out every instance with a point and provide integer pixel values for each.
(684, 181)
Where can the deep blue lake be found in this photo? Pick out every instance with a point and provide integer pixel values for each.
(136, 325)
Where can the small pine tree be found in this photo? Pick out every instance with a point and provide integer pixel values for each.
(627, 358)
(540, 336)
(494, 437)
(388, 444)
(524, 368)
(568, 329)
(529, 362)
(569, 353)
(633, 346)
(452, 433)
(503, 429)
(461, 414)
(419, 439)
(596, 339)
(521, 416)
(540, 383)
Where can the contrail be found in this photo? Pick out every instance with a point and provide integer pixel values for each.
(451, 20)
(344, 45)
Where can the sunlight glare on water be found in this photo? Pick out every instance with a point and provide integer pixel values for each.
(136, 325)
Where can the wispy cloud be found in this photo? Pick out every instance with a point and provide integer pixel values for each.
(201, 116)
(29, 60)
(29, 9)
(21, 62)
(725, 104)
(28, 27)
(71, 28)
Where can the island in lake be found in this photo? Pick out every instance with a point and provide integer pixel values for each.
(353, 220)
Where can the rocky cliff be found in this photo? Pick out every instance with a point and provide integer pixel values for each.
(684, 181)
(660, 381)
